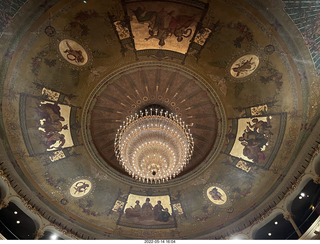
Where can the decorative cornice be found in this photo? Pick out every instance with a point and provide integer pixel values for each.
(315, 153)
(316, 179)
(293, 187)
(4, 177)
(5, 203)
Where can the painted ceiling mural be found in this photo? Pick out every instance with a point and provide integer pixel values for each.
(79, 68)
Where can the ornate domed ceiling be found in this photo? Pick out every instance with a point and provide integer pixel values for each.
(146, 84)
(239, 73)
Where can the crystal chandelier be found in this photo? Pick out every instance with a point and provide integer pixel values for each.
(153, 146)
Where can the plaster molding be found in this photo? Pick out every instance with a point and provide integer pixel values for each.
(41, 223)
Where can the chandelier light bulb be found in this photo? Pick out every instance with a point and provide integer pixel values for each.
(153, 146)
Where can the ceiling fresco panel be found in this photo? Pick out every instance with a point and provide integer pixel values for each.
(170, 28)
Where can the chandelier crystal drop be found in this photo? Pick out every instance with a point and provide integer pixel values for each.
(153, 146)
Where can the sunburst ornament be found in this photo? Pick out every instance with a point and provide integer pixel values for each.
(153, 146)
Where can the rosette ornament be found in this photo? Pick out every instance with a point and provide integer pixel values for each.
(153, 146)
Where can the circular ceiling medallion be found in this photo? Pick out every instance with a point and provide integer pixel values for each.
(216, 195)
(172, 88)
(269, 49)
(80, 188)
(244, 66)
(50, 31)
(73, 52)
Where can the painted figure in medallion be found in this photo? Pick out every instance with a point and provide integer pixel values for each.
(216, 195)
(80, 188)
(244, 66)
(73, 52)
(74, 55)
